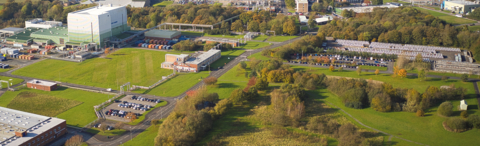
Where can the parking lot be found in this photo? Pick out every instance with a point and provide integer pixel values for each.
(117, 110)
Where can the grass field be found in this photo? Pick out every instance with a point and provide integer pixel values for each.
(235, 36)
(113, 132)
(253, 45)
(261, 37)
(227, 56)
(163, 4)
(448, 18)
(258, 56)
(13, 82)
(41, 104)
(18, 1)
(79, 115)
(145, 138)
(142, 117)
(1, 7)
(427, 130)
(474, 28)
(177, 85)
(139, 67)
(373, 68)
(192, 33)
(281, 38)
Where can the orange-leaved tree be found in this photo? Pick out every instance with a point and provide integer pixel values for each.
(402, 73)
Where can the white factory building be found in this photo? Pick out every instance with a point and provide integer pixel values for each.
(40, 23)
(97, 23)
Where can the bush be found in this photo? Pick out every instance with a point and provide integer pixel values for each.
(464, 114)
(456, 123)
(464, 77)
(420, 113)
(474, 121)
(444, 78)
(340, 69)
(445, 109)
(76, 140)
(210, 80)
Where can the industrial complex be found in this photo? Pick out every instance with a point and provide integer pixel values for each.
(194, 63)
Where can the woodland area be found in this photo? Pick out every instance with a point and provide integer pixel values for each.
(404, 25)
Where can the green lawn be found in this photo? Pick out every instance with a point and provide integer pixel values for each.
(192, 33)
(142, 117)
(78, 116)
(253, 45)
(163, 4)
(1, 7)
(14, 81)
(41, 104)
(139, 67)
(474, 28)
(374, 68)
(281, 38)
(227, 56)
(448, 18)
(258, 56)
(261, 37)
(145, 138)
(177, 85)
(427, 130)
(113, 132)
(234, 36)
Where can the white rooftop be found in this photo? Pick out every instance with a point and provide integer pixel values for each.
(464, 2)
(179, 56)
(302, 1)
(204, 56)
(97, 10)
(39, 82)
(11, 30)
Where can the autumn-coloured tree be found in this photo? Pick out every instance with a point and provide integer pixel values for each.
(191, 92)
(76, 140)
(318, 59)
(420, 113)
(250, 83)
(382, 103)
(289, 27)
(402, 73)
(395, 71)
(210, 80)
(131, 116)
(331, 68)
(107, 50)
(377, 71)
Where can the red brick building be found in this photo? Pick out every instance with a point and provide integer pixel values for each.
(42, 85)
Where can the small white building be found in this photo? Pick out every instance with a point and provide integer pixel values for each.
(40, 23)
(463, 105)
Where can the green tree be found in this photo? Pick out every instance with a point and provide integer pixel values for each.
(237, 96)
(237, 26)
(421, 74)
(261, 84)
(318, 7)
(445, 109)
(464, 77)
(290, 3)
(311, 21)
(359, 70)
(27, 8)
(474, 120)
(253, 26)
(263, 27)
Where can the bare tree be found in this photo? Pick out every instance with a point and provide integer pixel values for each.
(75, 140)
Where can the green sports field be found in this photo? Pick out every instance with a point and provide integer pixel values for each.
(177, 85)
(280, 38)
(261, 37)
(448, 18)
(14, 81)
(137, 66)
(75, 106)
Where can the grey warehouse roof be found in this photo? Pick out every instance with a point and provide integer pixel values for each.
(11, 30)
(204, 56)
(162, 33)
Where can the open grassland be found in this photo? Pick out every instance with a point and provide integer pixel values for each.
(18, 1)
(112, 132)
(145, 138)
(139, 67)
(78, 116)
(41, 104)
(427, 130)
(281, 38)
(142, 117)
(448, 18)
(227, 56)
(233, 36)
(163, 4)
(261, 37)
(374, 68)
(178, 84)
(253, 45)
(258, 56)
(13, 81)
(474, 28)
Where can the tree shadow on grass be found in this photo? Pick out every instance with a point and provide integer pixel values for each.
(227, 85)
(316, 106)
(60, 88)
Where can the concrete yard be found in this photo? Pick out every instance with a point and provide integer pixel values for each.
(128, 99)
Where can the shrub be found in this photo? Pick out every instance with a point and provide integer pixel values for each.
(464, 114)
(76, 140)
(464, 77)
(210, 80)
(331, 68)
(261, 84)
(474, 121)
(340, 69)
(382, 103)
(310, 85)
(420, 113)
(445, 109)
(444, 78)
(119, 125)
(456, 123)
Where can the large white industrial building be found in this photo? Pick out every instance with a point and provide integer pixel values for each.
(97, 23)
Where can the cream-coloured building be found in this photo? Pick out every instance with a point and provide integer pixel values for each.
(460, 7)
(302, 6)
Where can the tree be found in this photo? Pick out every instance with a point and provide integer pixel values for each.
(382, 103)
(331, 68)
(153, 122)
(261, 84)
(263, 27)
(445, 109)
(340, 69)
(464, 78)
(444, 78)
(210, 80)
(253, 26)
(377, 71)
(359, 70)
(312, 22)
(464, 114)
(420, 113)
(75, 140)
(131, 116)
(474, 121)
(237, 26)
(243, 65)
(418, 58)
(103, 127)
(317, 7)
(456, 123)
(119, 125)
(402, 73)
(237, 96)
(289, 27)
(421, 74)
(310, 84)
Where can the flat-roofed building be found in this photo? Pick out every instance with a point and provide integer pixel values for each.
(27, 129)
(460, 7)
(187, 63)
(41, 85)
(172, 59)
(9, 31)
(162, 34)
(40, 23)
(302, 6)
